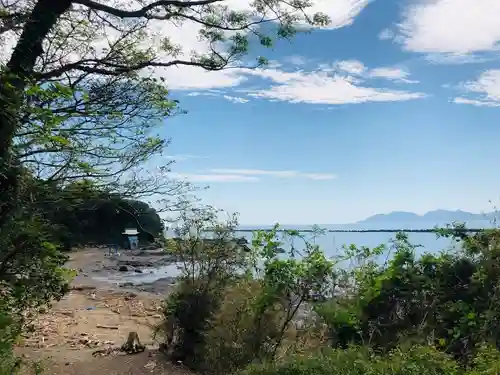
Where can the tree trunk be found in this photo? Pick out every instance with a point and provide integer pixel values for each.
(13, 81)
(21, 64)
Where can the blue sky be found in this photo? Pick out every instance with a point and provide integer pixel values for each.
(394, 106)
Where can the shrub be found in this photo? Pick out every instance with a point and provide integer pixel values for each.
(361, 361)
(450, 300)
(208, 266)
(486, 361)
(187, 312)
(10, 328)
(239, 334)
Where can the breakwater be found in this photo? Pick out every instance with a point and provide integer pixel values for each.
(407, 230)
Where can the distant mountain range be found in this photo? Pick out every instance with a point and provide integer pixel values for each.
(437, 216)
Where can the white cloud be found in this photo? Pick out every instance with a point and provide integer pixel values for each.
(458, 58)
(475, 102)
(351, 66)
(193, 78)
(186, 36)
(358, 69)
(205, 93)
(275, 173)
(342, 13)
(256, 172)
(194, 177)
(236, 99)
(320, 87)
(320, 176)
(486, 88)
(395, 74)
(342, 82)
(391, 73)
(386, 34)
(215, 93)
(451, 26)
(294, 60)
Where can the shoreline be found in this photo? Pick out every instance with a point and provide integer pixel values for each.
(98, 315)
(151, 271)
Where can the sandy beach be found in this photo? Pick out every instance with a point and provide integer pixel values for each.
(99, 314)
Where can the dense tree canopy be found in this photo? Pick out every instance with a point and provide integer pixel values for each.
(85, 215)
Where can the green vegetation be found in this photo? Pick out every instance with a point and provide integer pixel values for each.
(258, 312)
(78, 106)
(85, 215)
(77, 124)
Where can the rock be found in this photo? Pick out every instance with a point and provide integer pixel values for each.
(150, 365)
(123, 268)
(129, 296)
(136, 263)
(137, 270)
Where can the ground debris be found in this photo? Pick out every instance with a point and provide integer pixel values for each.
(106, 351)
(106, 326)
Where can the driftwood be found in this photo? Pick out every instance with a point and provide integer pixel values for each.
(82, 288)
(106, 327)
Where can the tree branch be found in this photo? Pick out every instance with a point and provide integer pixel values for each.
(116, 69)
(143, 12)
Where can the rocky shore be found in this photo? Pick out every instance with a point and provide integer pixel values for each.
(152, 270)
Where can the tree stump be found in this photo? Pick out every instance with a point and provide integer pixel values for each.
(133, 344)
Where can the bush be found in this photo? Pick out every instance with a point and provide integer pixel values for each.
(361, 361)
(9, 331)
(410, 315)
(187, 312)
(239, 334)
(236, 305)
(208, 266)
(450, 300)
(486, 361)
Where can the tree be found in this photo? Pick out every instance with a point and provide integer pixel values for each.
(76, 98)
(235, 304)
(85, 214)
(81, 42)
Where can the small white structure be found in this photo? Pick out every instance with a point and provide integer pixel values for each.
(132, 236)
(131, 232)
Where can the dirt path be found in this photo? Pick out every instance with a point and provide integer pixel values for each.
(91, 317)
(148, 363)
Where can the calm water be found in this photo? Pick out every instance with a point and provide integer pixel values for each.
(331, 244)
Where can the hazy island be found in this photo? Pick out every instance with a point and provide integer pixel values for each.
(437, 216)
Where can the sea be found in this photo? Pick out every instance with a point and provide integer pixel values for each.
(331, 243)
